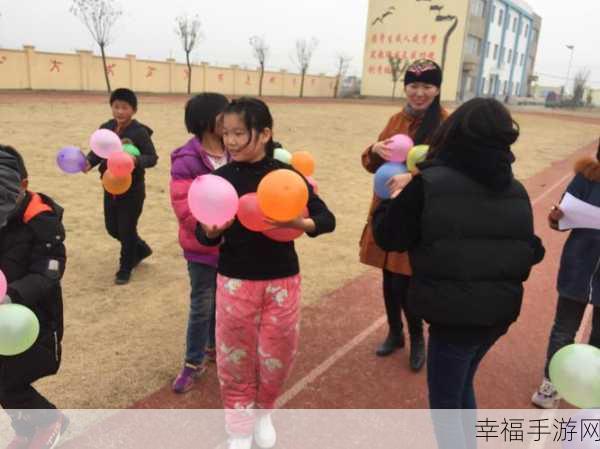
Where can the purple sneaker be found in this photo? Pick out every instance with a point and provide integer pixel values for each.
(184, 381)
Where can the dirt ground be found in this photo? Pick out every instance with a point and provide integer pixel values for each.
(122, 343)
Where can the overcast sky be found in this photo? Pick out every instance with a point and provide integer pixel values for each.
(147, 30)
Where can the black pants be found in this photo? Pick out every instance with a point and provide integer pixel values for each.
(27, 408)
(567, 321)
(395, 294)
(121, 215)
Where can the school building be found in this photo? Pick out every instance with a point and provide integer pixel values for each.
(486, 47)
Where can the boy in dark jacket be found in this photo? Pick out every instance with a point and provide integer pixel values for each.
(32, 257)
(122, 212)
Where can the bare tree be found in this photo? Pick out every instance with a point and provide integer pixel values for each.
(98, 16)
(343, 62)
(304, 53)
(261, 51)
(579, 86)
(188, 30)
(398, 69)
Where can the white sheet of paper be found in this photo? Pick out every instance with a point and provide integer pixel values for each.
(578, 214)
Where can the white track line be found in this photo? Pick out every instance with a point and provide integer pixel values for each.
(357, 340)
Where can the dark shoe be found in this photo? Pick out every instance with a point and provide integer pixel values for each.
(122, 277)
(144, 251)
(389, 345)
(47, 437)
(417, 353)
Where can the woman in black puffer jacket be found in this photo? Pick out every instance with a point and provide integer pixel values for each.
(468, 226)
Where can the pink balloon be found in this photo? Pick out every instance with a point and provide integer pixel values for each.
(400, 146)
(314, 184)
(120, 164)
(213, 201)
(103, 142)
(3, 285)
(285, 234)
(250, 215)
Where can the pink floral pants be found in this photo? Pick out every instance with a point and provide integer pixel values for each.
(257, 339)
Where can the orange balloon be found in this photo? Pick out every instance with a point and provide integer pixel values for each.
(282, 195)
(117, 185)
(303, 162)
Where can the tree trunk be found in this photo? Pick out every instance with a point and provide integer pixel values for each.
(105, 68)
(394, 91)
(446, 39)
(302, 83)
(189, 66)
(337, 86)
(260, 82)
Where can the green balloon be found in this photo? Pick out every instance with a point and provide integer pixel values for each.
(19, 329)
(575, 373)
(417, 154)
(283, 155)
(131, 149)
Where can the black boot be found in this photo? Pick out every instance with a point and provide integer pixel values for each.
(417, 353)
(390, 344)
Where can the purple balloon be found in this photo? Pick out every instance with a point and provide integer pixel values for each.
(71, 160)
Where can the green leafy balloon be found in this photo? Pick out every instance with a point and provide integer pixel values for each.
(131, 149)
(575, 373)
(19, 329)
(283, 155)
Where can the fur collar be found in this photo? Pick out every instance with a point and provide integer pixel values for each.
(589, 168)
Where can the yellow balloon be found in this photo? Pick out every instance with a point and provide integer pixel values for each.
(416, 155)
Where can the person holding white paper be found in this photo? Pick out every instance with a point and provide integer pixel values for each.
(579, 274)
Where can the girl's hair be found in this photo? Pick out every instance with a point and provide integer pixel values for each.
(256, 116)
(481, 122)
(201, 112)
(431, 122)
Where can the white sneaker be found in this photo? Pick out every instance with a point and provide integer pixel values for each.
(264, 432)
(546, 396)
(239, 442)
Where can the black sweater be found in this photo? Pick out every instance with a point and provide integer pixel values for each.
(251, 255)
(140, 136)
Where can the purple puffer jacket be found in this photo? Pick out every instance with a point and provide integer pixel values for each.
(187, 163)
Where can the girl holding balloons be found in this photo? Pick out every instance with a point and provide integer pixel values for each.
(419, 119)
(201, 155)
(258, 283)
(32, 262)
(124, 195)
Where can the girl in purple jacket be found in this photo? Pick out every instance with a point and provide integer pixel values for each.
(201, 155)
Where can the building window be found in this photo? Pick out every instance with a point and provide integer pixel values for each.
(526, 30)
(474, 45)
(504, 88)
(478, 8)
(492, 84)
(500, 17)
(495, 51)
(487, 49)
(515, 25)
(509, 58)
(522, 59)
